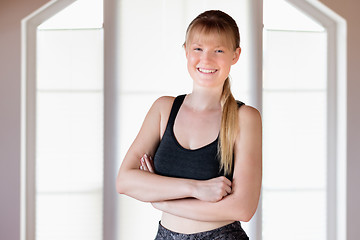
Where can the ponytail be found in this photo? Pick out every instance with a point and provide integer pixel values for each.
(229, 128)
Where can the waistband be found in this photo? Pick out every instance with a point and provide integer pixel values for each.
(230, 231)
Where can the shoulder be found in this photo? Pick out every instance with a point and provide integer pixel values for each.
(163, 103)
(162, 106)
(249, 139)
(249, 116)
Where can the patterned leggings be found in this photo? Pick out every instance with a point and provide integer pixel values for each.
(232, 231)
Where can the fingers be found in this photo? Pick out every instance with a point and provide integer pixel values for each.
(225, 186)
(143, 164)
(149, 163)
(146, 164)
(227, 190)
(225, 180)
(213, 190)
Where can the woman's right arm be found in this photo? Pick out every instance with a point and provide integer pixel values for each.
(149, 187)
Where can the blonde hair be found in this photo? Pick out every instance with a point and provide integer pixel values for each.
(215, 21)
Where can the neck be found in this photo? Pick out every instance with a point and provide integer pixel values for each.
(204, 99)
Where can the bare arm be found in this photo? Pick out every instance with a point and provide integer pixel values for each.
(241, 204)
(148, 187)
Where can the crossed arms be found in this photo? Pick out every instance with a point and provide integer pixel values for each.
(216, 199)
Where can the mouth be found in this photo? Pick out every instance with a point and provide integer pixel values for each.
(206, 71)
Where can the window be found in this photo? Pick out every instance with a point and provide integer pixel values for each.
(138, 70)
(295, 119)
(299, 113)
(65, 98)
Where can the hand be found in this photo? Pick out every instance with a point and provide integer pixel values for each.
(213, 190)
(147, 164)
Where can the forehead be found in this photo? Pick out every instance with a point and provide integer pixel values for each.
(213, 37)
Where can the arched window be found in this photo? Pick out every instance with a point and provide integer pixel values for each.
(63, 121)
(303, 102)
(137, 69)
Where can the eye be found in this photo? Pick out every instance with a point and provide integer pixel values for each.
(197, 49)
(219, 51)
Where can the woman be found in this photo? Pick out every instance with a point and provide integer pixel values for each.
(207, 167)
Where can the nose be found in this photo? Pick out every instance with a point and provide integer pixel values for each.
(207, 56)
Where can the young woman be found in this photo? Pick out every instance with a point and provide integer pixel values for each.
(198, 157)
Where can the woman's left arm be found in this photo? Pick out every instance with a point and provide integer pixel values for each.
(241, 204)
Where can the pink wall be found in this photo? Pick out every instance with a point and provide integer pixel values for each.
(349, 9)
(11, 13)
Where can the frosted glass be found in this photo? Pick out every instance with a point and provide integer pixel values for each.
(69, 59)
(69, 141)
(294, 60)
(69, 124)
(69, 216)
(295, 120)
(133, 110)
(80, 14)
(138, 220)
(295, 215)
(294, 126)
(152, 57)
(280, 14)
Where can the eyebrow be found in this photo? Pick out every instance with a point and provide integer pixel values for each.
(218, 46)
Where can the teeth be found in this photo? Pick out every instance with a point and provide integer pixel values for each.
(206, 70)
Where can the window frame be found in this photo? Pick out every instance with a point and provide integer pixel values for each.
(29, 27)
(336, 114)
(336, 65)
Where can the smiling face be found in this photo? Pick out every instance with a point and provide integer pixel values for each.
(209, 58)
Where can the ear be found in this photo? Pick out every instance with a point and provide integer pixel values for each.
(186, 52)
(236, 55)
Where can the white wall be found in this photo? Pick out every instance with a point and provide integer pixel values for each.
(11, 13)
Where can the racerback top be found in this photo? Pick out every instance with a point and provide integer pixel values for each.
(173, 160)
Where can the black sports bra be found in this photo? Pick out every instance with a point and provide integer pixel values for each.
(173, 160)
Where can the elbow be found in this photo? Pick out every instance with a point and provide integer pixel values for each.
(244, 207)
(119, 188)
(244, 216)
(244, 213)
(123, 185)
(120, 185)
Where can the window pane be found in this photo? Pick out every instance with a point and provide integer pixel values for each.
(295, 60)
(69, 124)
(80, 14)
(295, 215)
(69, 141)
(69, 59)
(295, 124)
(281, 15)
(75, 216)
(295, 140)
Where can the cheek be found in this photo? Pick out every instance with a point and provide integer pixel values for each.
(190, 65)
(191, 60)
(226, 63)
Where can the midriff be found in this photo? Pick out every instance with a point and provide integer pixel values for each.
(189, 226)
